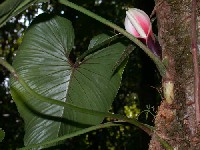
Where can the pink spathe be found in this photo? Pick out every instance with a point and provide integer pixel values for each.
(138, 23)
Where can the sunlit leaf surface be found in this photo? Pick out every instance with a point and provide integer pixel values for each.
(43, 62)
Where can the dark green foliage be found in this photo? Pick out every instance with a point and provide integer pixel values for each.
(135, 79)
(2, 135)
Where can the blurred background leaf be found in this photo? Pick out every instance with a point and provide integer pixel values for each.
(2, 135)
(10, 8)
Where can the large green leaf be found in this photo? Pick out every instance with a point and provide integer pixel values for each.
(43, 62)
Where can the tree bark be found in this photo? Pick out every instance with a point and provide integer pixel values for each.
(176, 119)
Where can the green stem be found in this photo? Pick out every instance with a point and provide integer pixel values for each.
(48, 143)
(164, 143)
(4, 63)
(146, 128)
(156, 60)
(124, 55)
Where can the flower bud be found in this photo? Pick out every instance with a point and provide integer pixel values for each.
(138, 23)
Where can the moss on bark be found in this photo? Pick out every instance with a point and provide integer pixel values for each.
(176, 122)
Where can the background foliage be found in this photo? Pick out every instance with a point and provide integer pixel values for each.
(139, 84)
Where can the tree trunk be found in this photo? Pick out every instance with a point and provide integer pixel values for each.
(176, 118)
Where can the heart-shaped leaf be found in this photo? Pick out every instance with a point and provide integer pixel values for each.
(43, 62)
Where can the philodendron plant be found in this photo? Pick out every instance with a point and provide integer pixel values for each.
(59, 98)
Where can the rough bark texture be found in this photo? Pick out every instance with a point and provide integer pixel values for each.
(175, 121)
